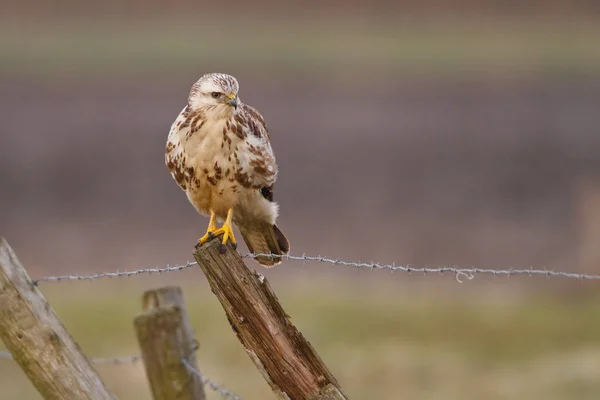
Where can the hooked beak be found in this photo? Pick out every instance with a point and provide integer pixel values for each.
(233, 100)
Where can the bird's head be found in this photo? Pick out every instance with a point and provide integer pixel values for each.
(215, 94)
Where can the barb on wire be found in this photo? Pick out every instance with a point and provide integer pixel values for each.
(456, 271)
(223, 391)
(226, 393)
(113, 274)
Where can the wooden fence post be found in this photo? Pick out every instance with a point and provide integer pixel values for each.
(37, 339)
(285, 358)
(166, 338)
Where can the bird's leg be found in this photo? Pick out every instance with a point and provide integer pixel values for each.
(212, 228)
(227, 229)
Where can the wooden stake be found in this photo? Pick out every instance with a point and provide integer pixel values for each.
(285, 358)
(37, 339)
(166, 338)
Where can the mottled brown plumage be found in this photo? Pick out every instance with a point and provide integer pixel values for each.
(219, 152)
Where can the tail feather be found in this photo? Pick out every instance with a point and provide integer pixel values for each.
(265, 239)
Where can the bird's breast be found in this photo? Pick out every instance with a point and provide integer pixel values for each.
(205, 164)
(212, 148)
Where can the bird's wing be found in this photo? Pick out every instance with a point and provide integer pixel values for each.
(174, 149)
(258, 166)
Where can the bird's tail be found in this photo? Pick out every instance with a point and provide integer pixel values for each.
(265, 238)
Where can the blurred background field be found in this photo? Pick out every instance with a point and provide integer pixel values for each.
(443, 134)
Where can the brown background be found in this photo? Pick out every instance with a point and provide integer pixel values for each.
(447, 133)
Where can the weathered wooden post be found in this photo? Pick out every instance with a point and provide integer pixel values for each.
(38, 341)
(166, 339)
(285, 358)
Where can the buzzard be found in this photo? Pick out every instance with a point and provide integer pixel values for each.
(218, 151)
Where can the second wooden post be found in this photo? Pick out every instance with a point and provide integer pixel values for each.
(166, 339)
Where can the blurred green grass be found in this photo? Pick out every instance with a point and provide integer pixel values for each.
(381, 340)
(395, 46)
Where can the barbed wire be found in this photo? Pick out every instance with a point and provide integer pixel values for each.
(458, 272)
(5, 355)
(226, 393)
(468, 273)
(117, 360)
(117, 274)
(223, 391)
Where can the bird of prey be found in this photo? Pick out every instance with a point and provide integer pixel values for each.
(218, 150)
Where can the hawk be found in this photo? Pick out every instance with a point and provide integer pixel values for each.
(218, 151)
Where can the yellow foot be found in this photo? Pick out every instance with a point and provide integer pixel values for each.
(207, 236)
(227, 232)
(210, 232)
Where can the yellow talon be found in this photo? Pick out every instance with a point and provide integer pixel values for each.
(212, 229)
(226, 229)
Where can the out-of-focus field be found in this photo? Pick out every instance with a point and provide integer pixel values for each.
(382, 340)
(390, 46)
(422, 141)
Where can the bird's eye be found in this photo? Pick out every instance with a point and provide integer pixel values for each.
(215, 95)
